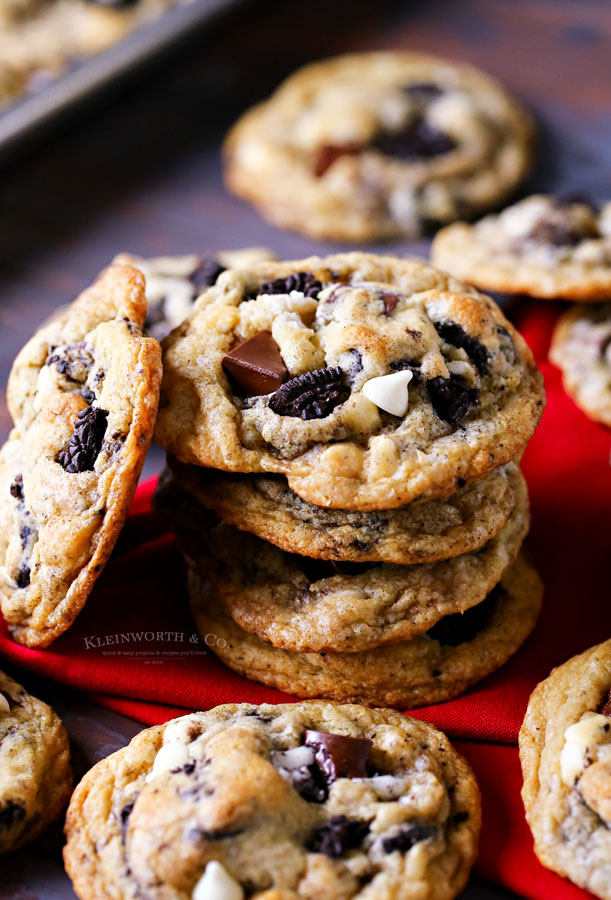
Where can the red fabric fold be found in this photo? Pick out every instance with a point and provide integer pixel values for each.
(134, 648)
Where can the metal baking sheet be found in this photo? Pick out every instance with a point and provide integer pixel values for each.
(31, 114)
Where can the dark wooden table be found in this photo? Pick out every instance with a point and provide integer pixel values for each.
(140, 171)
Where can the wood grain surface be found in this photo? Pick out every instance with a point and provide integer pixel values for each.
(140, 171)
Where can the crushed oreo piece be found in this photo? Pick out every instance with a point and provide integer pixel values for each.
(84, 446)
(23, 576)
(327, 154)
(317, 569)
(207, 272)
(310, 783)
(605, 709)
(451, 397)
(124, 818)
(423, 91)
(411, 834)
(604, 346)
(313, 395)
(455, 334)
(339, 756)
(558, 234)
(458, 628)
(16, 488)
(460, 817)
(73, 362)
(11, 815)
(399, 365)
(338, 835)
(304, 282)
(416, 140)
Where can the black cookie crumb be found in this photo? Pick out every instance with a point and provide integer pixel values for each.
(338, 835)
(457, 336)
(452, 399)
(412, 834)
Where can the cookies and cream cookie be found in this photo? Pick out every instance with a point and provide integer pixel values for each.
(540, 246)
(565, 750)
(379, 145)
(367, 381)
(305, 800)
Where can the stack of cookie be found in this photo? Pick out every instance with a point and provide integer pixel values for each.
(342, 436)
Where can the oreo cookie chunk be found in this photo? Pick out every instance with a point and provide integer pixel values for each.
(83, 393)
(379, 145)
(368, 381)
(340, 798)
(542, 246)
(34, 761)
(173, 283)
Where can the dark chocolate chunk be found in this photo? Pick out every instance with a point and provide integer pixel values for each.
(304, 282)
(338, 835)
(84, 446)
(411, 834)
(16, 488)
(459, 628)
(605, 709)
(313, 395)
(327, 154)
(451, 397)
(338, 756)
(310, 783)
(206, 273)
(11, 815)
(23, 576)
(256, 365)
(460, 817)
(390, 300)
(423, 91)
(416, 140)
(457, 336)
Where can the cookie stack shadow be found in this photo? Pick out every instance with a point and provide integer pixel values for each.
(400, 607)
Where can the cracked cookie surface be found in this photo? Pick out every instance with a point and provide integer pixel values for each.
(314, 605)
(268, 375)
(35, 774)
(84, 394)
(379, 145)
(458, 651)
(581, 348)
(540, 246)
(347, 802)
(565, 750)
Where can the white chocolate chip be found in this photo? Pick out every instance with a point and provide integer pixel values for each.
(217, 884)
(4, 704)
(389, 392)
(294, 758)
(581, 744)
(171, 756)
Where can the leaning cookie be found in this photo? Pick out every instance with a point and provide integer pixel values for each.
(379, 145)
(581, 348)
(542, 247)
(416, 533)
(35, 775)
(173, 283)
(301, 604)
(458, 651)
(304, 800)
(367, 381)
(84, 393)
(565, 750)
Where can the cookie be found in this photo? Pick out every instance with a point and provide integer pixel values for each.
(84, 394)
(416, 533)
(565, 750)
(35, 764)
(173, 283)
(581, 348)
(379, 145)
(455, 653)
(540, 246)
(304, 800)
(301, 604)
(277, 370)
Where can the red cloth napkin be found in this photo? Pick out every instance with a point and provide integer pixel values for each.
(135, 648)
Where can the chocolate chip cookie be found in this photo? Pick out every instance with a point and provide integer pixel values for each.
(84, 394)
(581, 348)
(416, 533)
(304, 800)
(455, 653)
(367, 381)
(301, 604)
(173, 283)
(36, 779)
(541, 246)
(565, 750)
(379, 145)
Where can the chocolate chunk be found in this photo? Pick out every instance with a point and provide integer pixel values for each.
(605, 709)
(16, 488)
(11, 815)
(390, 300)
(84, 446)
(206, 273)
(304, 282)
(451, 397)
(411, 834)
(338, 835)
(417, 140)
(313, 395)
(256, 365)
(423, 91)
(23, 576)
(457, 336)
(327, 154)
(338, 756)
(460, 817)
(459, 628)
